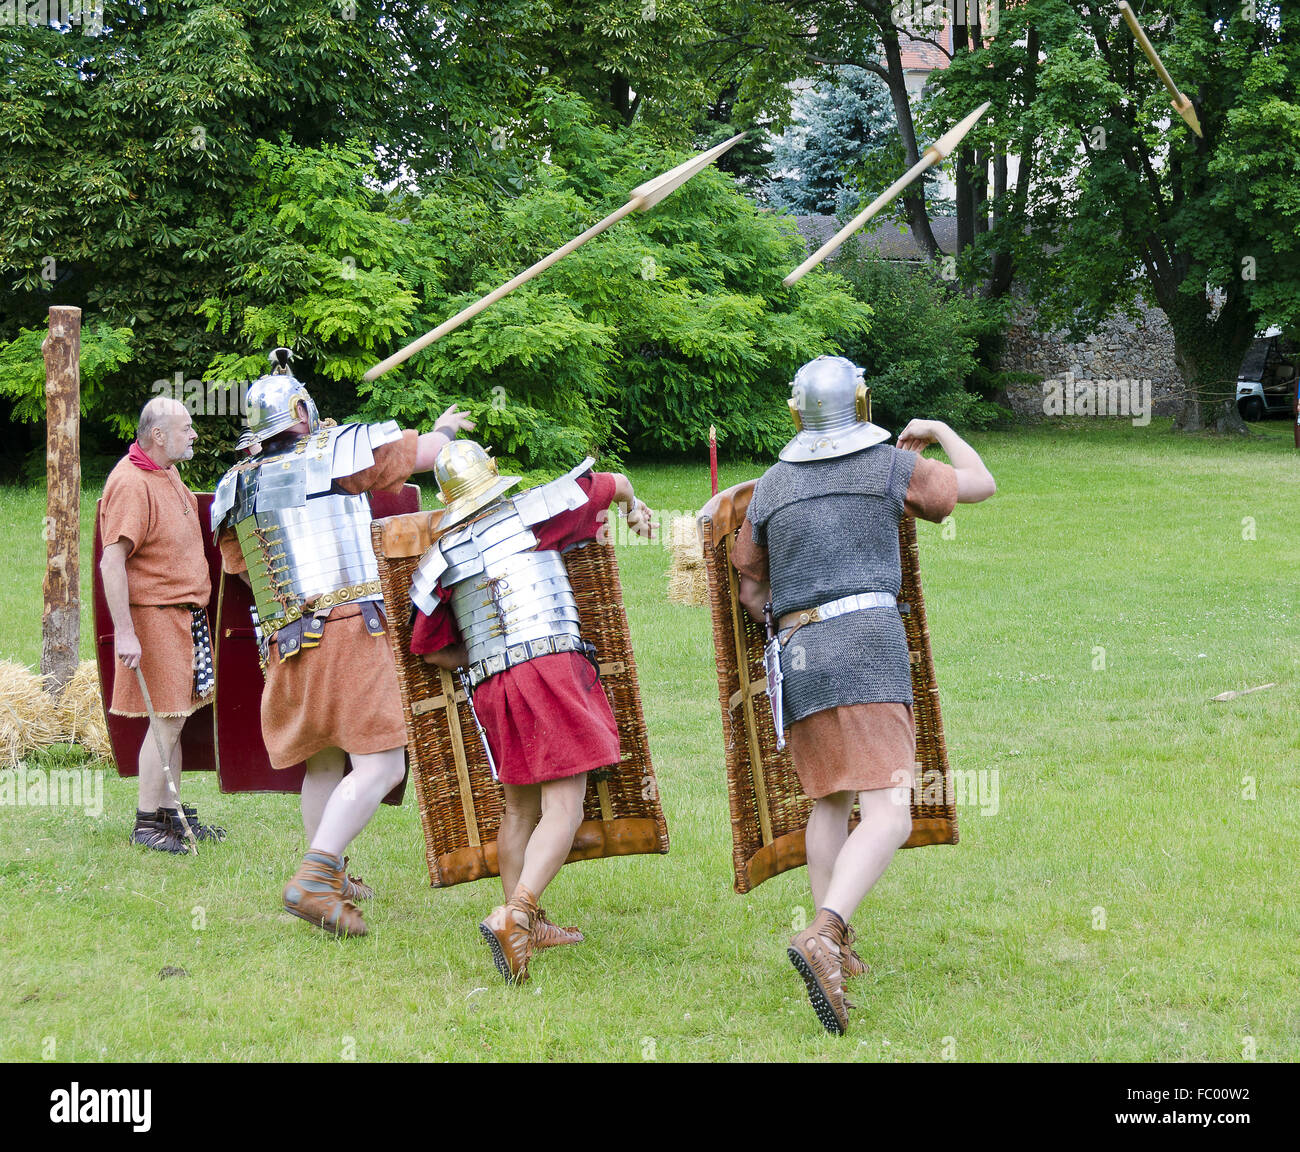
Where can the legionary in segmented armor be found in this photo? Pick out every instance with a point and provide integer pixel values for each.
(818, 558)
(293, 520)
(494, 602)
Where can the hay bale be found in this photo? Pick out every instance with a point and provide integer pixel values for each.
(81, 712)
(27, 714)
(688, 582)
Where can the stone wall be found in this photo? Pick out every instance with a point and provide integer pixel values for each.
(1123, 349)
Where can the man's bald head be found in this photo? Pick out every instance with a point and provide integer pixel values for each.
(156, 414)
(166, 432)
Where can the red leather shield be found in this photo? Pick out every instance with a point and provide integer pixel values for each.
(242, 761)
(126, 733)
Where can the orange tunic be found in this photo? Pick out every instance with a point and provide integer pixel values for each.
(166, 571)
(344, 692)
(858, 747)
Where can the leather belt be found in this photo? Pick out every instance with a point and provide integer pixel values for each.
(829, 611)
(480, 670)
(326, 600)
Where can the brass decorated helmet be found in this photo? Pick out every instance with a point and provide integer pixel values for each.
(831, 406)
(467, 480)
(273, 402)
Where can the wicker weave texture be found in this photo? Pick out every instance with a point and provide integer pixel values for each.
(460, 803)
(768, 808)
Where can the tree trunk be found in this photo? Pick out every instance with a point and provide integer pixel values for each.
(61, 619)
(1209, 353)
(912, 200)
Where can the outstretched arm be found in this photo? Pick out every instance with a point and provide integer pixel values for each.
(449, 424)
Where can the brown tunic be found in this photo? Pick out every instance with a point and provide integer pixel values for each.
(344, 692)
(859, 747)
(166, 570)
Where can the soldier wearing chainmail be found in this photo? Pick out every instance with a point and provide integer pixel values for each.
(293, 521)
(819, 551)
(493, 597)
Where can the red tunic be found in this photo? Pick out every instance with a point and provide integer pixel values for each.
(547, 718)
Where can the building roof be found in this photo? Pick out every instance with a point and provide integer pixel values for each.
(883, 237)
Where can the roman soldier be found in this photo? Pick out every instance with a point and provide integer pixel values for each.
(818, 556)
(293, 520)
(493, 598)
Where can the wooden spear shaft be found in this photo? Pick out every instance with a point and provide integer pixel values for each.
(935, 153)
(509, 286)
(642, 197)
(1182, 104)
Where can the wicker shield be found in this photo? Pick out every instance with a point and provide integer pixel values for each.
(460, 803)
(768, 809)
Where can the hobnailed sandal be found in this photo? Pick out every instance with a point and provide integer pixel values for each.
(315, 894)
(815, 953)
(354, 888)
(512, 945)
(548, 935)
(156, 831)
(850, 961)
(202, 831)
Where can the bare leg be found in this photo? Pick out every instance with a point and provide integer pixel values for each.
(828, 829)
(357, 798)
(550, 842)
(552, 839)
(886, 824)
(522, 811)
(154, 793)
(324, 771)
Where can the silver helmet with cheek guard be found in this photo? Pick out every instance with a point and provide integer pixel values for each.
(831, 407)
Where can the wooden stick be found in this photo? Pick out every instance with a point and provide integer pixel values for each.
(643, 197)
(1243, 692)
(1182, 104)
(61, 616)
(166, 760)
(936, 153)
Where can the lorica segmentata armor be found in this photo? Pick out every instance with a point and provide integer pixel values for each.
(305, 541)
(511, 602)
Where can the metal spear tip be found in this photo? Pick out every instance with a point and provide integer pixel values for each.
(1188, 112)
(950, 139)
(652, 191)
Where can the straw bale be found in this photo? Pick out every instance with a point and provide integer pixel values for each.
(81, 712)
(27, 714)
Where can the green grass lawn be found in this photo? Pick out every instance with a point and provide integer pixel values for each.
(1133, 896)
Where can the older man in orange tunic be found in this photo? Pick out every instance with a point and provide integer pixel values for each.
(156, 583)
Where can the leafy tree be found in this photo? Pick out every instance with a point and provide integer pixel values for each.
(1120, 200)
(839, 127)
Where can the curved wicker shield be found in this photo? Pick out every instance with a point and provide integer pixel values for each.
(768, 810)
(460, 803)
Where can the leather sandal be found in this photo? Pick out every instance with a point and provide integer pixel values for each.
(315, 894)
(815, 953)
(156, 831)
(548, 935)
(850, 961)
(512, 945)
(354, 888)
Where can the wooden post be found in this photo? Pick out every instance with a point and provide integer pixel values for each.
(61, 618)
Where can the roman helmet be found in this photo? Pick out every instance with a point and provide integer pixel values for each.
(467, 480)
(831, 407)
(273, 402)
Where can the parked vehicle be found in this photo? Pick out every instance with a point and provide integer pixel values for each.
(1268, 379)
